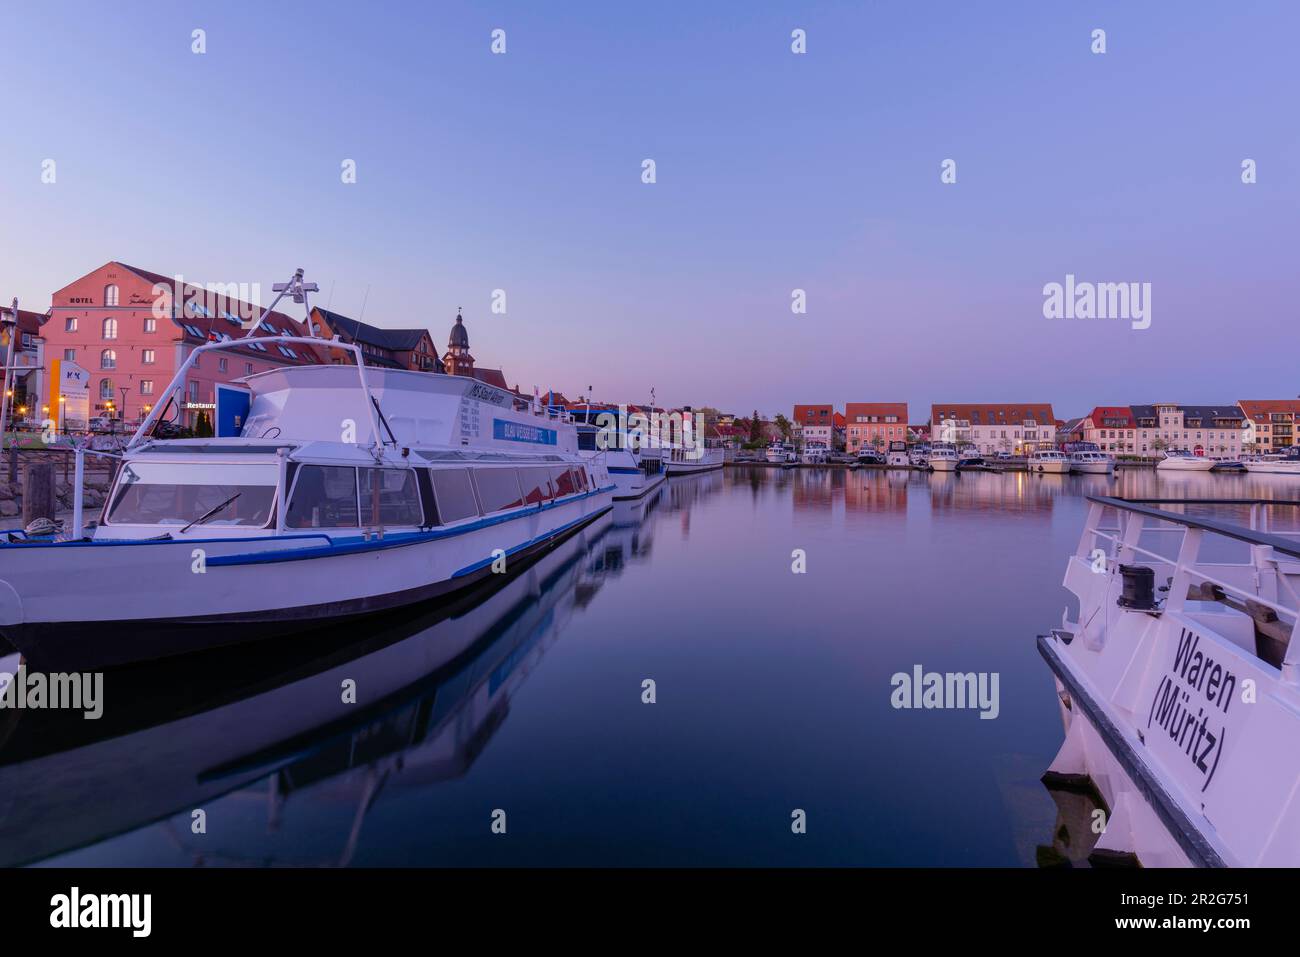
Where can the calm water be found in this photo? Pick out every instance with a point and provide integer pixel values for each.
(773, 693)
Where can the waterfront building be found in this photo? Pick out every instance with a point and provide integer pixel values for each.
(392, 348)
(1270, 423)
(459, 361)
(1203, 429)
(130, 329)
(873, 425)
(995, 427)
(1112, 428)
(814, 423)
(29, 358)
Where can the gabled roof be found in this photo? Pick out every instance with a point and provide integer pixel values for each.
(881, 409)
(395, 340)
(492, 377)
(1121, 414)
(813, 414)
(28, 321)
(211, 328)
(1260, 409)
(1194, 416)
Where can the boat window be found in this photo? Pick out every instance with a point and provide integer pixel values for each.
(536, 485)
(390, 497)
(580, 478)
(454, 494)
(564, 481)
(587, 440)
(497, 489)
(325, 496)
(177, 493)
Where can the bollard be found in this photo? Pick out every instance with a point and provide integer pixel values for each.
(38, 493)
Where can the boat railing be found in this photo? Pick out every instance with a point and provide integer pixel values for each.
(1264, 582)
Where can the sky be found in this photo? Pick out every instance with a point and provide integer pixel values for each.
(775, 171)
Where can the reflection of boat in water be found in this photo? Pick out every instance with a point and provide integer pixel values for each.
(1179, 683)
(431, 691)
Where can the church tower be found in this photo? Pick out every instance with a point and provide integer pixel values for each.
(458, 361)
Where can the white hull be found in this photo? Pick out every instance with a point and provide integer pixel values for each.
(1050, 468)
(1273, 468)
(708, 460)
(943, 465)
(1092, 468)
(1189, 464)
(1183, 714)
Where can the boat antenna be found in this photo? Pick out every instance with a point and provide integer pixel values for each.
(296, 288)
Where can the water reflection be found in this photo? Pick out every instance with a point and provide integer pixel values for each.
(269, 722)
(777, 685)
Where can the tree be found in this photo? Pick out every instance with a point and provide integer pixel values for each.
(203, 427)
(755, 430)
(784, 425)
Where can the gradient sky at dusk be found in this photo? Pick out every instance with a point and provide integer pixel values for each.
(775, 172)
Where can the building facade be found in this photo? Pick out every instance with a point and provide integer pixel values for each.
(1203, 429)
(873, 425)
(814, 423)
(29, 361)
(1270, 424)
(131, 329)
(1015, 428)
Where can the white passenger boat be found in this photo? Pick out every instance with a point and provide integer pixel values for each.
(1048, 460)
(778, 453)
(1087, 458)
(689, 461)
(634, 475)
(1183, 460)
(1181, 703)
(348, 489)
(942, 458)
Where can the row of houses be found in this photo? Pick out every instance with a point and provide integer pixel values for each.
(1246, 426)
(126, 331)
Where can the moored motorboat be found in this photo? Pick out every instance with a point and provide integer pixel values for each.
(778, 453)
(1287, 464)
(347, 490)
(942, 458)
(816, 453)
(690, 461)
(1087, 458)
(1181, 704)
(1184, 460)
(1048, 461)
(898, 457)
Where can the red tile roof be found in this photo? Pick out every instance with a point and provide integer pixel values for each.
(880, 409)
(1122, 415)
(1261, 409)
(813, 414)
(993, 413)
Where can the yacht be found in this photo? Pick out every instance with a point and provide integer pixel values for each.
(897, 456)
(869, 456)
(942, 458)
(348, 489)
(919, 457)
(1181, 703)
(816, 453)
(1183, 460)
(968, 456)
(1088, 458)
(1048, 460)
(778, 453)
(1288, 464)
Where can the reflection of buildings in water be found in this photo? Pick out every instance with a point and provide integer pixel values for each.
(876, 491)
(430, 692)
(812, 489)
(684, 491)
(1022, 492)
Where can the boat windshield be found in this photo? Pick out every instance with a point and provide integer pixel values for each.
(178, 493)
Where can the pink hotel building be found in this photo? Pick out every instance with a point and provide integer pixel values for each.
(112, 323)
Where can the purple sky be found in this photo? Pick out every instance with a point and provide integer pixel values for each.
(775, 171)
